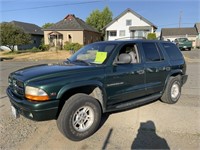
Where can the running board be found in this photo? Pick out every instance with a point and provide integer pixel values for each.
(135, 102)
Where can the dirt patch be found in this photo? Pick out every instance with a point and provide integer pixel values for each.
(52, 55)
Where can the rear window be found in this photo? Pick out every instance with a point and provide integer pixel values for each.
(152, 52)
(172, 51)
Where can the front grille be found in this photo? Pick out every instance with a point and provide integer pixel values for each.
(16, 86)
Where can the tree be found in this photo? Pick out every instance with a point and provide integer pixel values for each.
(98, 19)
(46, 25)
(106, 17)
(12, 35)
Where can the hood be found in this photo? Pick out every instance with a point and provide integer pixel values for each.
(48, 71)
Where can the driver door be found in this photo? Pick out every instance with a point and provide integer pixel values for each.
(125, 81)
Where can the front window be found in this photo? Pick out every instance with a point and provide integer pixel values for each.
(128, 22)
(113, 33)
(96, 53)
(183, 39)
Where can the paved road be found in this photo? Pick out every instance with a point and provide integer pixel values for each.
(152, 126)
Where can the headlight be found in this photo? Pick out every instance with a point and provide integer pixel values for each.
(35, 94)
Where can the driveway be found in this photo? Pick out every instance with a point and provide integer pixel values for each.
(152, 126)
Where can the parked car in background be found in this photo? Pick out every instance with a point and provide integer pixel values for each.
(4, 48)
(183, 43)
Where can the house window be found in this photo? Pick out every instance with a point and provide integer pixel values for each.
(122, 33)
(140, 34)
(113, 33)
(70, 38)
(128, 22)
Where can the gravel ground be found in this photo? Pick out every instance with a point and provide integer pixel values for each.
(150, 126)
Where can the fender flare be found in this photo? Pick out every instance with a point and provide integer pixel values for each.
(73, 85)
(172, 73)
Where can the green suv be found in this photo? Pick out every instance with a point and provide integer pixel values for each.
(101, 77)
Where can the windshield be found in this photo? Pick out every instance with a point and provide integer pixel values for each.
(96, 53)
(183, 39)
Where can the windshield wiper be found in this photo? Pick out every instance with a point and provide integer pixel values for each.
(79, 60)
(68, 61)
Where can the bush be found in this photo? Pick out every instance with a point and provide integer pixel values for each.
(72, 46)
(44, 47)
(151, 36)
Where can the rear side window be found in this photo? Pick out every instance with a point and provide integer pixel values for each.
(152, 52)
(172, 51)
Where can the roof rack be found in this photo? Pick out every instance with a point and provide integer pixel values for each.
(131, 38)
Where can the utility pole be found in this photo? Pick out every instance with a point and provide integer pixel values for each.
(180, 17)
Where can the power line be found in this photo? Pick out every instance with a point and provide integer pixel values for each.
(39, 7)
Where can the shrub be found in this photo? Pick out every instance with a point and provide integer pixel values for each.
(34, 49)
(72, 46)
(44, 47)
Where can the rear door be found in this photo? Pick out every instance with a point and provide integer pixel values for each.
(156, 67)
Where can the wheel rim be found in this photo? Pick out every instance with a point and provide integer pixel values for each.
(175, 90)
(83, 119)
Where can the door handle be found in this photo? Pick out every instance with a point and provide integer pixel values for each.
(140, 71)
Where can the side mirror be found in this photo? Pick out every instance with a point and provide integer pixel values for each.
(124, 59)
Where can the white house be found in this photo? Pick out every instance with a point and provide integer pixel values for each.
(128, 24)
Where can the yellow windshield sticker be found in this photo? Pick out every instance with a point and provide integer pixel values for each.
(100, 57)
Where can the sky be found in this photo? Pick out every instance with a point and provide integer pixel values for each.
(162, 13)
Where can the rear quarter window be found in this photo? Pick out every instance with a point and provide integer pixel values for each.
(172, 51)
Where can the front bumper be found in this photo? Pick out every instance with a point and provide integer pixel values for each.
(38, 111)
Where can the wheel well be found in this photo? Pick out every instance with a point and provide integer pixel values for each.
(91, 90)
(176, 74)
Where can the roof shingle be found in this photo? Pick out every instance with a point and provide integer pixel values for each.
(197, 26)
(178, 31)
(70, 22)
(29, 28)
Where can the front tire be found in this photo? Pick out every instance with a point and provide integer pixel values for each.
(80, 117)
(172, 92)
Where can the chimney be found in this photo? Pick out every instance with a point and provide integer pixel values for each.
(69, 17)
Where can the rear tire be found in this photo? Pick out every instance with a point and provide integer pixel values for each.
(80, 117)
(172, 92)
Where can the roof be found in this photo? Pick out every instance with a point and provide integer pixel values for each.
(178, 31)
(134, 13)
(132, 41)
(197, 26)
(71, 23)
(29, 28)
